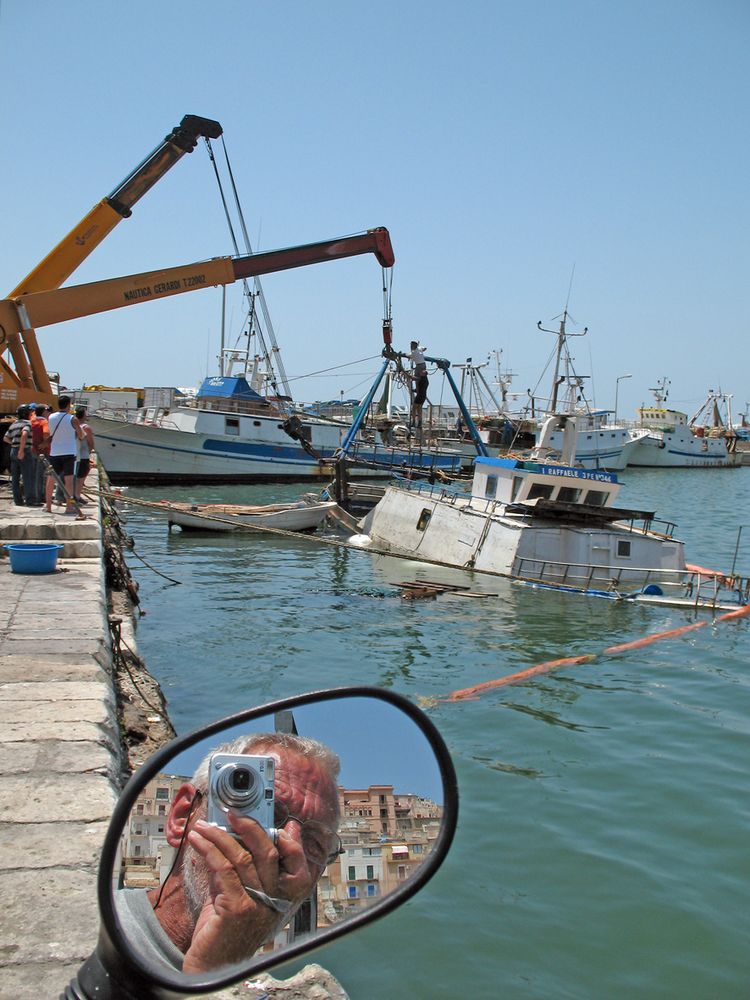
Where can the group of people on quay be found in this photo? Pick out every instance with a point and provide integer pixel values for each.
(50, 455)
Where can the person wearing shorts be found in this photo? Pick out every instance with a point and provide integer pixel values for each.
(85, 447)
(64, 434)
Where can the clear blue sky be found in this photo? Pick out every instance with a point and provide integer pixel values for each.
(377, 744)
(503, 144)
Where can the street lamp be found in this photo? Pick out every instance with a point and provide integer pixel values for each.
(617, 390)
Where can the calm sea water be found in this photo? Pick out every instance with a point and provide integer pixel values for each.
(602, 848)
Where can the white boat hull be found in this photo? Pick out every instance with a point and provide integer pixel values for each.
(680, 449)
(193, 446)
(216, 517)
(608, 448)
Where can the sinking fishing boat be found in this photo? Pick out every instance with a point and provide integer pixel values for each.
(548, 525)
(304, 515)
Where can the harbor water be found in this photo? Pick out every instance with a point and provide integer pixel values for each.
(602, 848)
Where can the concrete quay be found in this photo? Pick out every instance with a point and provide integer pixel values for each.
(60, 755)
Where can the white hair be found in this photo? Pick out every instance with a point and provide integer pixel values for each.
(304, 746)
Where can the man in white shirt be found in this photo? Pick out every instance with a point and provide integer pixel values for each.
(64, 434)
(419, 374)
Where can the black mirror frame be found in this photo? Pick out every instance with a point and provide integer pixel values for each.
(118, 962)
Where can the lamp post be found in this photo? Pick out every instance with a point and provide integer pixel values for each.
(617, 390)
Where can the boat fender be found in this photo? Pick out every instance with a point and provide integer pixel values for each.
(360, 541)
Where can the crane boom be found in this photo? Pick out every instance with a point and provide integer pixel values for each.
(74, 248)
(45, 308)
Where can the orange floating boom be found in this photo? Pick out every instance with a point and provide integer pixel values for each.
(547, 667)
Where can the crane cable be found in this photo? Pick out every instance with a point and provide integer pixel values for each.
(257, 288)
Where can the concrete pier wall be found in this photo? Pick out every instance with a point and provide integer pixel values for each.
(60, 754)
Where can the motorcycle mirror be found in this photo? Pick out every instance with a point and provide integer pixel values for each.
(188, 907)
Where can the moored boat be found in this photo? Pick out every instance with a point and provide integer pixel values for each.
(231, 433)
(304, 515)
(666, 438)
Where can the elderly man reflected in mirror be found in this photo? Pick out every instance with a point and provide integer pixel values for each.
(230, 891)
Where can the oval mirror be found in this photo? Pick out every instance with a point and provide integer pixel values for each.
(267, 835)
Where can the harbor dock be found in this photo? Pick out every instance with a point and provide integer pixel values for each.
(60, 754)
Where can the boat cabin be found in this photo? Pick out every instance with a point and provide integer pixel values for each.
(660, 419)
(512, 481)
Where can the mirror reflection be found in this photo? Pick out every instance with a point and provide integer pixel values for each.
(273, 832)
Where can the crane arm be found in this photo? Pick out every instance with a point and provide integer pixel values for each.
(74, 248)
(58, 305)
(71, 251)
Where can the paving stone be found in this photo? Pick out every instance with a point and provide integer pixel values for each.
(44, 669)
(14, 732)
(46, 798)
(34, 980)
(54, 920)
(51, 845)
(62, 712)
(54, 757)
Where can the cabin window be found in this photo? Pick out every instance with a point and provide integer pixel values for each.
(490, 487)
(597, 498)
(231, 425)
(256, 423)
(540, 490)
(623, 549)
(568, 494)
(424, 519)
(516, 486)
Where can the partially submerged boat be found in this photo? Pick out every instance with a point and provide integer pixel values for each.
(304, 515)
(550, 525)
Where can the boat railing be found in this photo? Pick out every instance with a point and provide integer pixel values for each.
(652, 525)
(704, 587)
(447, 492)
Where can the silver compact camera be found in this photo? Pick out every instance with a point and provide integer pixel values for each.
(242, 782)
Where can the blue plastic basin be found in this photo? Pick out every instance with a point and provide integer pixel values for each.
(30, 557)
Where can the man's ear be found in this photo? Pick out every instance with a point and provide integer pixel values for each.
(179, 812)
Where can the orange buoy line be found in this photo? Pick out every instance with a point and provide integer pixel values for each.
(550, 665)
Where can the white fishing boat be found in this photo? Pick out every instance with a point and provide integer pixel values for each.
(304, 515)
(231, 434)
(666, 438)
(549, 525)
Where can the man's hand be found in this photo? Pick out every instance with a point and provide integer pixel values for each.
(232, 926)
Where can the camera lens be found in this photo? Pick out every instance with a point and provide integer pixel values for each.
(241, 780)
(238, 787)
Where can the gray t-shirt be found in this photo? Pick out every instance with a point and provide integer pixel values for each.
(142, 928)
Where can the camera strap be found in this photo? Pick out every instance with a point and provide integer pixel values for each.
(282, 906)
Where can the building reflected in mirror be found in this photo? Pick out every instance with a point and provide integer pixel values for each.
(386, 835)
(145, 854)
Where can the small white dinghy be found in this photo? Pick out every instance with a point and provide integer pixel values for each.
(303, 515)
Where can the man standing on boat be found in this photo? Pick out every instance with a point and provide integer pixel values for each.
(419, 374)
